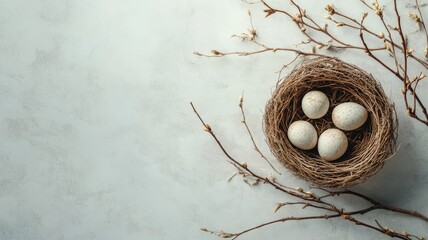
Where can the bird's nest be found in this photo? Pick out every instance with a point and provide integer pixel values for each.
(369, 145)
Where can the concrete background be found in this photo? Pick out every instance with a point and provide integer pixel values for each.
(98, 140)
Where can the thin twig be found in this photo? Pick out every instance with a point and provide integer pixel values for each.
(216, 53)
(256, 148)
(422, 22)
(375, 205)
(284, 67)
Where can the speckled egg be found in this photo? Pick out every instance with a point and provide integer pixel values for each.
(302, 135)
(315, 104)
(349, 116)
(332, 144)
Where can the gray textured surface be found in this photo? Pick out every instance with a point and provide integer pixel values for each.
(98, 140)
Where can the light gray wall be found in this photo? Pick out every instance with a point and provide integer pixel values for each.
(98, 140)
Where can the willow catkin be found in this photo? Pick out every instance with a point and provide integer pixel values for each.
(369, 146)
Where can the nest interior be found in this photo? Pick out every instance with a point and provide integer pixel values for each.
(369, 145)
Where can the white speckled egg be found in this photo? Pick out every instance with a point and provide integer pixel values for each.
(302, 135)
(332, 144)
(349, 116)
(315, 104)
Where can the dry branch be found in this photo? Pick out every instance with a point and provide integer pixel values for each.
(399, 52)
(310, 199)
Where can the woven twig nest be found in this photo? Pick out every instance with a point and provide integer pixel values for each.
(369, 145)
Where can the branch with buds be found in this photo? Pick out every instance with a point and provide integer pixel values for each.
(315, 198)
(393, 41)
